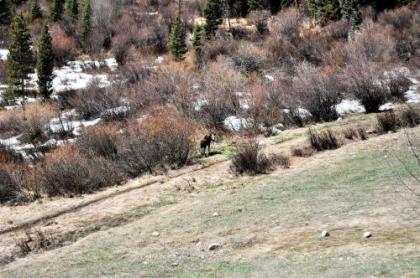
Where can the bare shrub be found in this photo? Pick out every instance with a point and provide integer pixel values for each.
(284, 35)
(409, 116)
(305, 151)
(66, 172)
(387, 122)
(100, 141)
(171, 134)
(264, 106)
(259, 19)
(32, 242)
(249, 160)
(8, 155)
(367, 83)
(248, 61)
(397, 84)
(92, 101)
(32, 121)
(281, 160)
(373, 42)
(286, 23)
(240, 33)
(399, 18)
(318, 92)
(164, 137)
(338, 30)
(217, 47)
(355, 133)
(217, 99)
(9, 188)
(64, 46)
(324, 140)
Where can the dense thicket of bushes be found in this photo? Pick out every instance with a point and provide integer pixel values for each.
(267, 72)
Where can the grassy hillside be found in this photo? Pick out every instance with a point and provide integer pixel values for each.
(267, 226)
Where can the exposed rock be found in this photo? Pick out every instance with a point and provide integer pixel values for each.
(325, 234)
(367, 235)
(214, 246)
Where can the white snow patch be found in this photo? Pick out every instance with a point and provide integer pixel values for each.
(159, 60)
(3, 54)
(56, 125)
(236, 124)
(72, 76)
(269, 77)
(386, 107)
(412, 96)
(303, 113)
(13, 141)
(348, 106)
(199, 104)
(120, 110)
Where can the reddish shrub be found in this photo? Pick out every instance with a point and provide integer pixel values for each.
(64, 47)
(67, 172)
(9, 188)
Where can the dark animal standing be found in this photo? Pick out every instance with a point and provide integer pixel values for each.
(205, 143)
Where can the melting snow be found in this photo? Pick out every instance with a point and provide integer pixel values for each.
(236, 124)
(348, 106)
(10, 141)
(269, 77)
(56, 125)
(3, 54)
(72, 76)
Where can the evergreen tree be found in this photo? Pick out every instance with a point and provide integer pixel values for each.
(5, 12)
(177, 44)
(86, 20)
(213, 13)
(56, 10)
(45, 64)
(20, 62)
(350, 9)
(197, 43)
(72, 9)
(36, 11)
(324, 10)
(254, 5)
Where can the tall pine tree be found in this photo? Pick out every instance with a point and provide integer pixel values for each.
(350, 9)
(324, 10)
(213, 13)
(45, 64)
(36, 11)
(56, 10)
(5, 12)
(254, 5)
(72, 9)
(177, 44)
(20, 62)
(86, 21)
(197, 42)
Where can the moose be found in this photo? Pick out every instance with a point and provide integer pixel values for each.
(205, 143)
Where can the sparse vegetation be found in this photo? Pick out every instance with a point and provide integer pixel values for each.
(388, 122)
(322, 140)
(248, 159)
